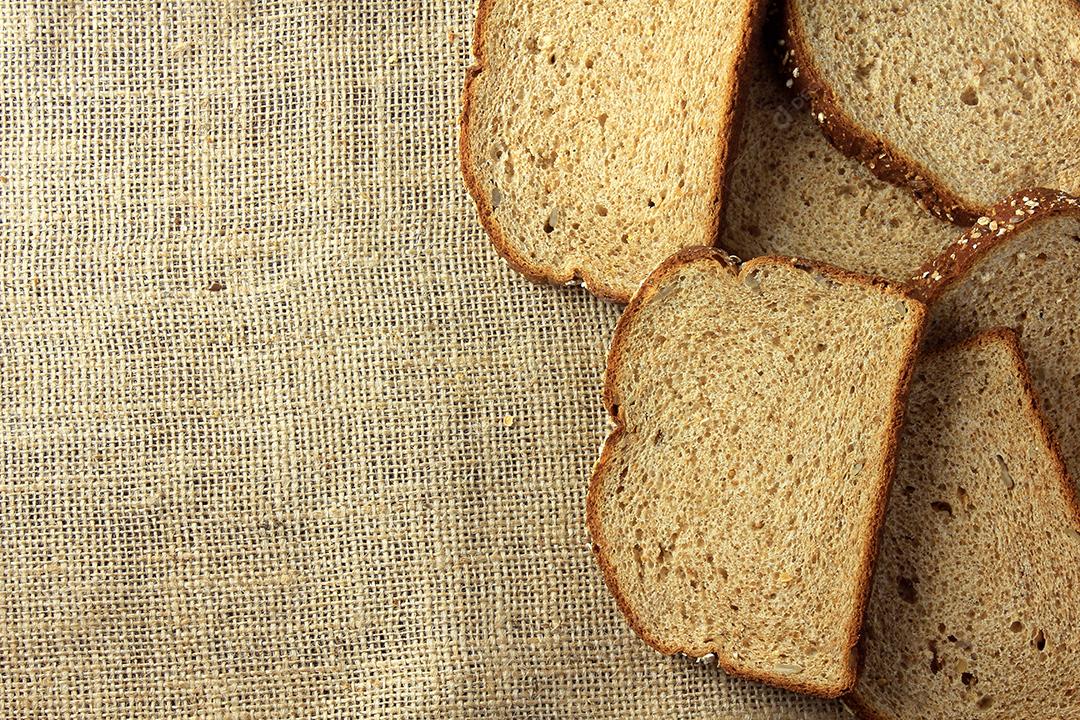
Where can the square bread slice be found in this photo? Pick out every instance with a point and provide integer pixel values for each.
(595, 136)
(735, 507)
(975, 611)
(963, 102)
(1019, 267)
(791, 193)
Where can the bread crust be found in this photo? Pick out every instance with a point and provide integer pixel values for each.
(862, 708)
(736, 92)
(876, 521)
(883, 160)
(1006, 221)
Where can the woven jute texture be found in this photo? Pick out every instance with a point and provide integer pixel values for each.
(282, 436)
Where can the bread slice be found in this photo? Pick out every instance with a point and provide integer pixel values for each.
(791, 193)
(594, 136)
(964, 102)
(974, 610)
(736, 505)
(1019, 267)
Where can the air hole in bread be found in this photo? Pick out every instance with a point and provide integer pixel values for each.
(752, 280)
(553, 218)
(1017, 626)
(588, 64)
(984, 702)
(905, 588)
(968, 678)
(1003, 469)
(663, 555)
(601, 211)
(970, 96)
(942, 506)
(1040, 641)
(496, 198)
(602, 119)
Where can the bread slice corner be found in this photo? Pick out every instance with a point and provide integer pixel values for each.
(735, 506)
(792, 193)
(1017, 267)
(973, 611)
(594, 138)
(960, 102)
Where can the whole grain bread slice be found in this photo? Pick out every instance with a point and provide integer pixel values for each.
(963, 102)
(1019, 267)
(791, 193)
(735, 507)
(974, 611)
(595, 136)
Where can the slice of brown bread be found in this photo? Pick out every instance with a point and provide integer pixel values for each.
(736, 505)
(974, 611)
(964, 102)
(1019, 267)
(594, 136)
(791, 193)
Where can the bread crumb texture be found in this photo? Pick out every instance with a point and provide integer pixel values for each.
(791, 193)
(735, 505)
(976, 98)
(593, 133)
(974, 608)
(1020, 271)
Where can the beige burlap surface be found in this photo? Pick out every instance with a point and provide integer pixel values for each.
(281, 435)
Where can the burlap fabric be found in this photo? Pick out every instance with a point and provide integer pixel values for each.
(282, 436)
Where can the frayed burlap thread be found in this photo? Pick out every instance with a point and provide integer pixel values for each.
(282, 437)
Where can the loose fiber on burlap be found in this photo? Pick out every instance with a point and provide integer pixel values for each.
(281, 435)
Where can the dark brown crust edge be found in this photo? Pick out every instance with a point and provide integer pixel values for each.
(876, 519)
(1008, 337)
(883, 160)
(594, 283)
(1006, 221)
